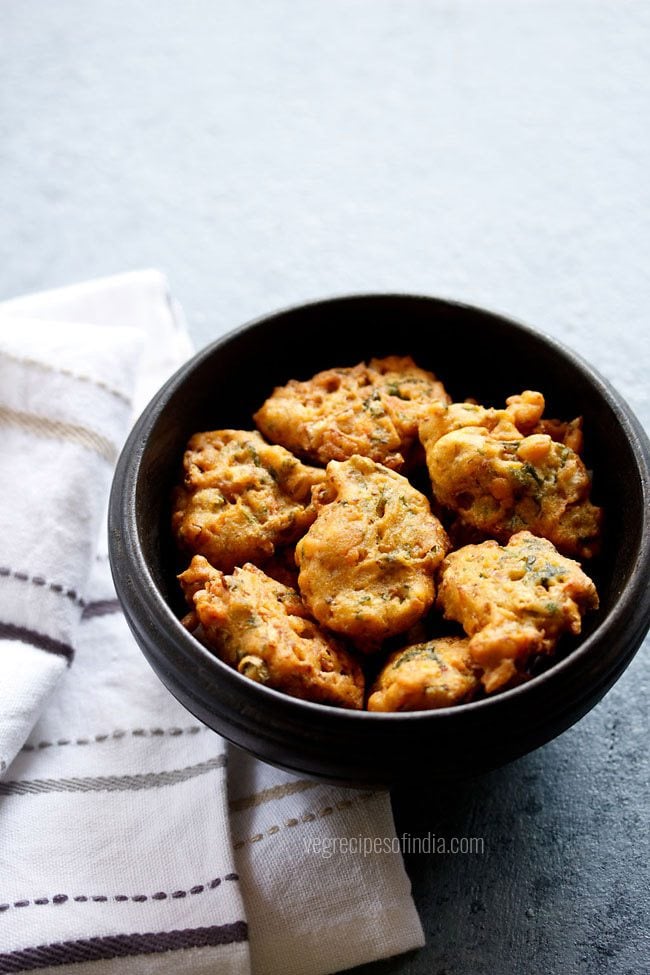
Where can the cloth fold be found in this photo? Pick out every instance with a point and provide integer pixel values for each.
(62, 410)
(128, 831)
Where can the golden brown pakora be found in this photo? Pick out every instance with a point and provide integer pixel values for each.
(523, 411)
(372, 410)
(500, 480)
(435, 674)
(367, 562)
(441, 419)
(241, 498)
(514, 602)
(526, 411)
(351, 556)
(262, 629)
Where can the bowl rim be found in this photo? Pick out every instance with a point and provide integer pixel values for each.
(629, 607)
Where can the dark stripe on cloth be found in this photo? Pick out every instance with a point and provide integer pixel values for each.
(9, 631)
(111, 783)
(57, 587)
(121, 946)
(101, 607)
(117, 735)
(158, 895)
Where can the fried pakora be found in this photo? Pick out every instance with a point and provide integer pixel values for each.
(262, 629)
(523, 411)
(500, 479)
(435, 674)
(367, 562)
(526, 411)
(295, 567)
(514, 602)
(241, 498)
(372, 410)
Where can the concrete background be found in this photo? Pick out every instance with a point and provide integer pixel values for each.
(262, 152)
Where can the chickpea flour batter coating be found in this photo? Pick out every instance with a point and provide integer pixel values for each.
(372, 410)
(367, 562)
(435, 674)
(282, 566)
(514, 602)
(261, 628)
(524, 412)
(500, 481)
(241, 498)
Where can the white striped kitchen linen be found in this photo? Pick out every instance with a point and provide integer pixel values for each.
(133, 839)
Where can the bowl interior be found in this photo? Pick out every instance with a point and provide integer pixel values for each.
(475, 354)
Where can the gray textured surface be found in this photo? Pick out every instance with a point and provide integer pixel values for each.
(266, 152)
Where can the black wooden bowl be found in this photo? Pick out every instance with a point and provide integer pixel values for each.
(475, 353)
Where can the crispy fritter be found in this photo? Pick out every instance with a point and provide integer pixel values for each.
(372, 410)
(514, 601)
(500, 487)
(441, 419)
(262, 629)
(367, 562)
(241, 498)
(500, 481)
(196, 577)
(567, 432)
(435, 674)
(524, 412)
